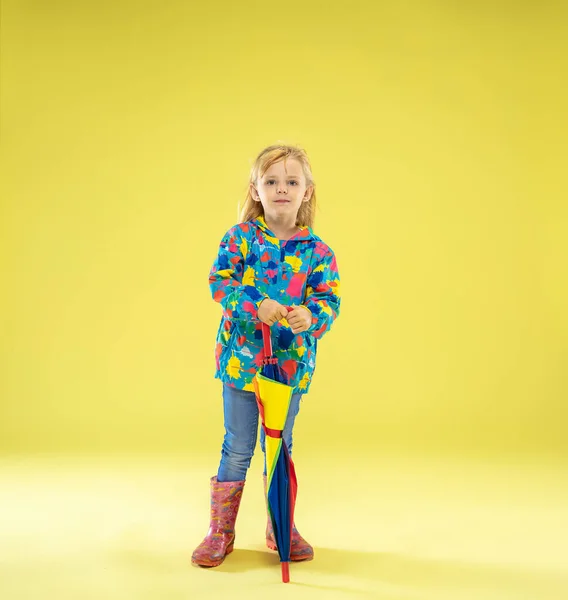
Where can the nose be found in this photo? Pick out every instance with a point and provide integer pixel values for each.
(282, 189)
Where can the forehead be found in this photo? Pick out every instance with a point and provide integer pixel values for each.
(289, 167)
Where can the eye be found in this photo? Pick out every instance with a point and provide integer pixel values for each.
(270, 182)
(293, 182)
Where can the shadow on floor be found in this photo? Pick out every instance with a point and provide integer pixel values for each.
(407, 575)
(412, 573)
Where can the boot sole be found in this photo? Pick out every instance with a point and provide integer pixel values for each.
(208, 564)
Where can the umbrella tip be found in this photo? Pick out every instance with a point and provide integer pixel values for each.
(285, 572)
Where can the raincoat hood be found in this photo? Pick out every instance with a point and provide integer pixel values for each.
(306, 233)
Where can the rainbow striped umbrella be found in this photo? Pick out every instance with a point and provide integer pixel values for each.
(273, 396)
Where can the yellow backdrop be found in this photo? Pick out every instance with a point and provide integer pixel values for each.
(437, 136)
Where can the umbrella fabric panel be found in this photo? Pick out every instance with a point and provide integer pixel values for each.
(275, 411)
(281, 499)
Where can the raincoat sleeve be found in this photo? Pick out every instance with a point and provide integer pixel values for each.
(322, 294)
(231, 284)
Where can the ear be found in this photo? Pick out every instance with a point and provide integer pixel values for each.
(254, 193)
(308, 194)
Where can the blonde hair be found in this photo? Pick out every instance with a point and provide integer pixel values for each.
(251, 209)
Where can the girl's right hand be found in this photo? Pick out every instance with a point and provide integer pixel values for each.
(271, 312)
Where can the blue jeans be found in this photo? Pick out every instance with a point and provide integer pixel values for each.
(241, 430)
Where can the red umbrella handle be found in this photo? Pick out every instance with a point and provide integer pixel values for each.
(266, 337)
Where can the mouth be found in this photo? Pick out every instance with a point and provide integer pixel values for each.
(282, 201)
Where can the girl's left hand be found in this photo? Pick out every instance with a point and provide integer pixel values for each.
(299, 319)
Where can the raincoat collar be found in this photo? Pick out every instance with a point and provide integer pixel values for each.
(305, 232)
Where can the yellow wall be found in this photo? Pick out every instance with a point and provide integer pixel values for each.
(437, 136)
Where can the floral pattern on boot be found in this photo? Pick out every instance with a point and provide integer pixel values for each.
(220, 539)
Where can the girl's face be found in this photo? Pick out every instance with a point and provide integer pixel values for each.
(282, 189)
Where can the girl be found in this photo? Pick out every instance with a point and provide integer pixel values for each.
(270, 260)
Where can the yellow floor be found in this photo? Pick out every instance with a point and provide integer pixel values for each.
(80, 529)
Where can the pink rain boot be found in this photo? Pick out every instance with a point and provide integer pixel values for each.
(220, 539)
(300, 550)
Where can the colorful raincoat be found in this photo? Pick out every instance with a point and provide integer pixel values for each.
(252, 264)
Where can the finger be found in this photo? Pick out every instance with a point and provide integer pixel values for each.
(297, 317)
(295, 324)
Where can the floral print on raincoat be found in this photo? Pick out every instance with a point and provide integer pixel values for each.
(252, 264)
